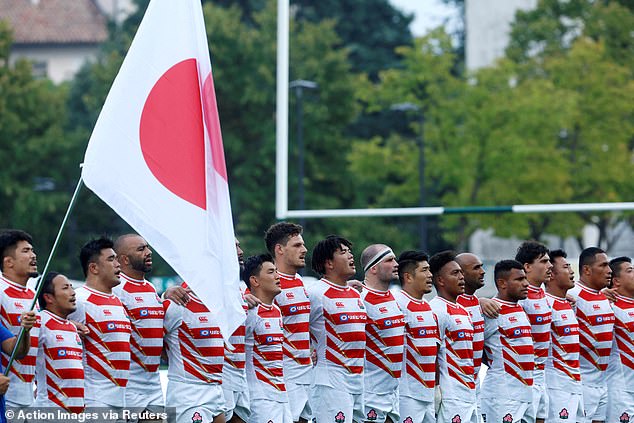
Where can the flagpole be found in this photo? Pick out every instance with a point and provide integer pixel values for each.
(45, 271)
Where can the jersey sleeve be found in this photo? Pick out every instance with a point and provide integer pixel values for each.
(490, 327)
(5, 333)
(173, 316)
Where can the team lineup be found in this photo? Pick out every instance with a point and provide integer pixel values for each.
(336, 350)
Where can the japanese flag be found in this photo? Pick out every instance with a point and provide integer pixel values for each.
(156, 155)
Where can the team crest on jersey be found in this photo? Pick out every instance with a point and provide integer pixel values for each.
(197, 418)
(408, 420)
(361, 306)
(563, 414)
(372, 415)
(624, 418)
(508, 418)
(78, 339)
(340, 417)
(456, 419)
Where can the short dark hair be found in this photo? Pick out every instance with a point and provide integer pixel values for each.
(280, 233)
(439, 260)
(47, 288)
(325, 250)
(529, 251)
(408, 262)
(253, 266)
(557, 253)
(91, 251)
(9, 239)
(587, 256)
(615, 265)
(503, 267)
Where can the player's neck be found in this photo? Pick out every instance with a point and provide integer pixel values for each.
(377, 284)
(624, 293)
(62, 314)
(536, 284)
(266, 299)
(133, 274)
(469, 290)
(286, 268)
(556, 291)
(14, 277)
(504, 297)
(98, 285)
(412, 293)
(589, 285)
(449, 297)
(336, 279)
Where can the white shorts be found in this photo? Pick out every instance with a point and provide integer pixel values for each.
(102, 406)
(298, 395)
(414, 411)
(595, 402)
(378, 407)
(540, 400)
(457, 411)
(150, 399)
(195, 401)
(334, 406)
(620, 405)
(565, 407)
(266, 411)
(504, 410)
(237, 402)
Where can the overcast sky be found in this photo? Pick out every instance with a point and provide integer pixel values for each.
(428, 14)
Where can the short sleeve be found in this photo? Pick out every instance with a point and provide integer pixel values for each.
(173, 316)
(5, 333)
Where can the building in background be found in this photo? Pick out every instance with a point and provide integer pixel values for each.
(488, 26)
(58, 36)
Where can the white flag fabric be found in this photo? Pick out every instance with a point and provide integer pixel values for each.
(156, 156)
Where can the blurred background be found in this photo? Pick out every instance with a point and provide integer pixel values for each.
(393, 103)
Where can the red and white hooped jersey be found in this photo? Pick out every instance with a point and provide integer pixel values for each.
(337, 327)
(146, 313)
(539, 314)
(264, 347)
(15, 300)
(194, 344)
(60, 369)
(562, 367)
(510, 356)
(455, 354)
(234, 377)
(295, 306)
(418, 376)
(384, 341)
(596, 323)
(620, 372)
(106, 346)
(471, 303)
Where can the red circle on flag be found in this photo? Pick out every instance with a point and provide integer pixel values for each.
(171, 133)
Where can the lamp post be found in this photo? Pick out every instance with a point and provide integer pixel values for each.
(422, 224)
(299, 85)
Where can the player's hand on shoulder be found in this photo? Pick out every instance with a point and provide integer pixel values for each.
(610, 294)
(177, 294)
(252, 300)
(28, 319)
(82, 329)
(490, 308)
(353, 283)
